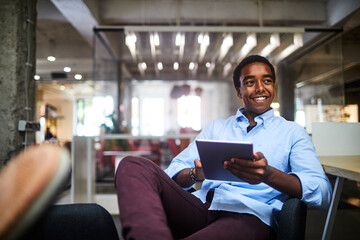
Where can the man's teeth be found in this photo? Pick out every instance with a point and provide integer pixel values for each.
(260, 98)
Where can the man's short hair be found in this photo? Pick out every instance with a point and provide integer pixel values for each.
(246, 61)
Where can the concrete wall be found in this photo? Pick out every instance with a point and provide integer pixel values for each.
(17, 86)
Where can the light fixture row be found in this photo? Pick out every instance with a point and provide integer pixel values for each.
(66, 69)
(159, 65)
(76, 76)
(204, 42)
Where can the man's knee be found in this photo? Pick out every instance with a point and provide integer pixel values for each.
(135, 165)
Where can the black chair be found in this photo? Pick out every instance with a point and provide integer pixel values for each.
(88, 221)
(292, 221)
(72, 221)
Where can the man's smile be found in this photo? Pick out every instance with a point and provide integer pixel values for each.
(260, 99)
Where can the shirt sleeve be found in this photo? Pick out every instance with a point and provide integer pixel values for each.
(305, 164)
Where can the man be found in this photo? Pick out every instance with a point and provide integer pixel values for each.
(285, 164)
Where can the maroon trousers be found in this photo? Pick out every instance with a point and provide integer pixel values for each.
(153, 206)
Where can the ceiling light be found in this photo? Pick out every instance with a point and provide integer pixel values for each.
(227, 69)
(211, 68)
(180, 42)
(130, 42)
(160, 66)
(78, 76)
(274, 43)
(67, 69)
(297, 43)
(226, 45)
(176, 66)
(191, 66)
(142, 67)
(51, 58)
(204, 41)
(37, 77)
(207, 64)
(154, 39)
(179, 39)
(248, 46)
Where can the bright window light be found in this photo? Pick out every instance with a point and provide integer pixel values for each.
(51, 58)
(300, 118)
(37, 77)
(135, 116)
(152, 116)
(92, 113)
(189, 112)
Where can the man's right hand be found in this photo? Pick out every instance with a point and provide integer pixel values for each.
(198, 171)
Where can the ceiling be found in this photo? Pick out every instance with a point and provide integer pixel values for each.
(65, 29)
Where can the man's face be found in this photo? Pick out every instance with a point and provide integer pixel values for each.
(257, 88)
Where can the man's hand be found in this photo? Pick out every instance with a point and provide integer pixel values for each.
(252, 171)
(257, 170)
(198, 171)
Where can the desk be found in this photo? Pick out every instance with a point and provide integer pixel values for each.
(342, 167)
(119, 155)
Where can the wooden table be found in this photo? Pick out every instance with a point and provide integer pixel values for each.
(342, 167)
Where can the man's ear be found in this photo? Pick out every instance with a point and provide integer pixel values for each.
(238, 93)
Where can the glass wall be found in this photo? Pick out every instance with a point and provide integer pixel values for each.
(319, 85)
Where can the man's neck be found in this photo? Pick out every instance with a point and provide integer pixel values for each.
(251, 116)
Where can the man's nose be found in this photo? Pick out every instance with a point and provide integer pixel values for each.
(259, 86)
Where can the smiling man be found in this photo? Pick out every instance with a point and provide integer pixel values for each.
(154, 205)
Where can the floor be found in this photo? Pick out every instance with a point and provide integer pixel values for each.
(346, 227)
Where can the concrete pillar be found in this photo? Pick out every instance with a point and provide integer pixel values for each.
(286, 91)
(17, 68)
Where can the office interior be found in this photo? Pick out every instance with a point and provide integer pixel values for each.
(116, 78)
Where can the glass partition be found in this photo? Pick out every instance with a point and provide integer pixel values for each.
(319, 85)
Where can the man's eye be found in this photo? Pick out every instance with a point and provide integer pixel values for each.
(268, 81)
(249, 83)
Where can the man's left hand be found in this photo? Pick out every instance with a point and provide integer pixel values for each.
(252, 171)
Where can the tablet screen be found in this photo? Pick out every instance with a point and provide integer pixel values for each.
(213, 153)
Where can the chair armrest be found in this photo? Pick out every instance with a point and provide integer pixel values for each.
(292, 220)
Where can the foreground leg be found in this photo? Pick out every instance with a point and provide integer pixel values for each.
(152, 205)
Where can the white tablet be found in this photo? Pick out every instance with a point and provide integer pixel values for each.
(213, 153)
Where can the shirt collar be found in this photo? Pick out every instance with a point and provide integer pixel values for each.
(264, 118)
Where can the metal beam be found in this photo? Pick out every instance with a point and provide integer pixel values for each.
(159, 28)
(79, 15)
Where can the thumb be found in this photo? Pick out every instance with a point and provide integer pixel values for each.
(197, 163)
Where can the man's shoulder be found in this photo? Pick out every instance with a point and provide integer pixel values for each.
(288, 125)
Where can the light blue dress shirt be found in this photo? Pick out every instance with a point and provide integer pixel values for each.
(285, 145)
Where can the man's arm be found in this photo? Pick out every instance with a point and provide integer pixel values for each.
(258, 171)
(183, 177)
